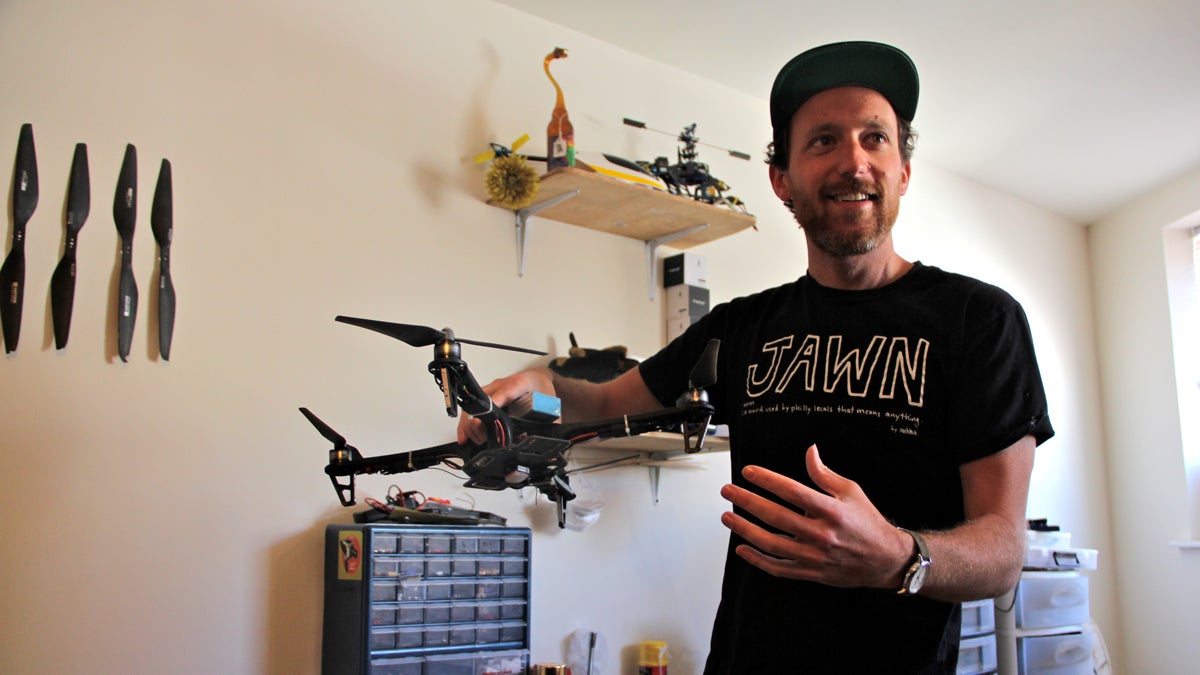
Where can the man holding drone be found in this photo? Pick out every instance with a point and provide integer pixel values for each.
(883, 414)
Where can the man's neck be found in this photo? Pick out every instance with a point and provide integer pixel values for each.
(875, 269)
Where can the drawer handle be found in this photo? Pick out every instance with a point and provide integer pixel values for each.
(1068, 597)
(1070, 653)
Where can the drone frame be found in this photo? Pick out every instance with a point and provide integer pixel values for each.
(519, 451)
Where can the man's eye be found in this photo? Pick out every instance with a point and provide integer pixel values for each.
(821, 142)
(878, 137)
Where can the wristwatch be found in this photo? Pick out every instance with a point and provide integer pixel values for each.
(918, 570)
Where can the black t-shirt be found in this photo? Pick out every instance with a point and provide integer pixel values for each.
(898, 386)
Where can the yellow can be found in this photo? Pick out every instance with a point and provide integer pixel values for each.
(652, 658)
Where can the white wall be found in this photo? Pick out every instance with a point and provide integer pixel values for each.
(167, 517)
(1159, 587)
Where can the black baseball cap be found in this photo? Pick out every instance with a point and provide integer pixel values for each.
(873, 65)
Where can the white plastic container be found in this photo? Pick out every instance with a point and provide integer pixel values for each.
(1048, 599)
(978, 617)
(977, 655)
(1060, 558)
(1061, 654)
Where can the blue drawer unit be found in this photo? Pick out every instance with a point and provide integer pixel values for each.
(425, 599)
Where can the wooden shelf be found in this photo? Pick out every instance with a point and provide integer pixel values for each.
(611, 205)
(668, 443)
(598, 202)
(654, 450)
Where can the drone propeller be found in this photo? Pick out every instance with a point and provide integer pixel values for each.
(12, 273)
(704, 373)
(423, 336)
(62, 283)
(339, 442)
(340, 455)
(125, 216)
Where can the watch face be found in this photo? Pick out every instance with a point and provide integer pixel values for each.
(918, 578)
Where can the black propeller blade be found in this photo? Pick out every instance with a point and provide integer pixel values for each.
(423, 336)
(161, 223)
(12, 273)
(125, 215)
(339, 442)
(704, 373)
(62, 283)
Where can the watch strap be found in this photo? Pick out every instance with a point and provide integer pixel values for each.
(919, 564)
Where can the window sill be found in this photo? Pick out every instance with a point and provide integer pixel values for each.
(1185, 544)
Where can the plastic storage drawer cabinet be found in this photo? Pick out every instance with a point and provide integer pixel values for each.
(1047, 599)
(426, 600)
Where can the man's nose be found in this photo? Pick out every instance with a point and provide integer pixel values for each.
(854, 160)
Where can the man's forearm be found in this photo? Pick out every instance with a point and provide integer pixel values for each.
(982, 557)
(978, 559)
(583, 400)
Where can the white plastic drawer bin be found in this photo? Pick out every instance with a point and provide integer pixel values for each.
(1065, 654)
(1048, 599)
(978, 617)
(977, 655)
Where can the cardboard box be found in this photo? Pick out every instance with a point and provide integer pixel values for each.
(685, 269)
(691, 301)
(677, 325)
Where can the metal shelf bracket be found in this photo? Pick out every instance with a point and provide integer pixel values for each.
(652, 248)
(523, 224)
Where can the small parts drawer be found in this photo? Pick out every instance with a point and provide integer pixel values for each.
(1049, 599)
(977, 655)
(978, 617)
(1063, 654)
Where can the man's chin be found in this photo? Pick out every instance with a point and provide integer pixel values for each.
(845, 244)
(847, 248)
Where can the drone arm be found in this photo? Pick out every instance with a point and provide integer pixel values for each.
(342, 472)
(476, 403)
(691, 419)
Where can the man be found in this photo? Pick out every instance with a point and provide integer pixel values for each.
(871, 394)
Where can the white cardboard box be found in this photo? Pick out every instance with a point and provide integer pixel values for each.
(687, 301)
(676, 326)
(688, 269)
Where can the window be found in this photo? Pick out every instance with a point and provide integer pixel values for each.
(1182, 249)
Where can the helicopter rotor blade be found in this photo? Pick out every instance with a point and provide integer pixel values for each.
(704, 373)
(485, 156)
(642, 125)
(327, 431)
(423, 336)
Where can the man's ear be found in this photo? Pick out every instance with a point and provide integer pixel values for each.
(905, 177)
(779, 182)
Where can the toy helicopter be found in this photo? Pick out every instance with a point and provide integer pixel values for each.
(520, 451)
(688, 176)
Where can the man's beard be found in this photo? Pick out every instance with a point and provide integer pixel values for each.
(846, 237)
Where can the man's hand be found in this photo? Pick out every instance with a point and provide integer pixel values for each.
(502, 392)
(837, 537)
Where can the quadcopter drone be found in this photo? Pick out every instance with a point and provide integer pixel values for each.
(688, 176)
(520, 451)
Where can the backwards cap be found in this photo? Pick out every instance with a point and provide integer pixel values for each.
(873, 65)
